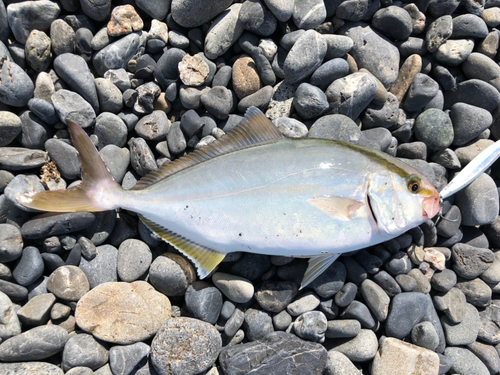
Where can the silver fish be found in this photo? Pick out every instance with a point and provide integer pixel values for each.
(256, 191)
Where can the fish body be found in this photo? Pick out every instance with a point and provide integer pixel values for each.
(258, 192)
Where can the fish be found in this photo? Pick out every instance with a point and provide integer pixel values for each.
(256, 191)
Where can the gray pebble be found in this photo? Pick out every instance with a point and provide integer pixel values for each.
(282, 321)
(57, 224)
(331, 281)
(44, 110)
(234, 323)
(147, 94)
(258, 324)
(465, 362)
(443, 281)
(311, 326)
(304, 57)
(73, 70)
(394, 22)
(117, 54)
(10, 127)
(474, 92)
(224, 31)
(37, 311)
(342, 328)
(124, 359)
(290, 127)
(34, 131)
(304, 303)
(361, 348)
(438, 32)
(62, 37)
(102, 268)
(454, 52)
(478, 202)
(376, 299)
(37, 51)
(421, 91)
(204, 301)
(453, 304)
(16, 87)
(84, 350)
(34, 344)
(110, 130)
(117, 161)
(469, 26)
(407, 309)
(399, 264)
(24, 17)
(11, 243)
(70, 105)
(29, 268)
(407, 283)
(352, 94)
(387, 283)
(434, 128)
(465, 332)
(476, 291)
(251, 266)
(119, 77)
(310, 102)
(110, 96)
(141, 156)
(352, 10)
(469, 261)
(134, 259)
(424, 335)
(346, 295)
(13, 291)
(65, 156)
(153, 127)
(336, 127)
(274, 296)
(218, 101)
(171, 274)
(68, 283)
(487, 354)
(337, 46)
(359, 311)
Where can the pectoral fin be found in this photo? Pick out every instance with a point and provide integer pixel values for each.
(204, 258)
(317, 265)
(340, 208)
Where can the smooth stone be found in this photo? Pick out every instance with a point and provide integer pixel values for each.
(101, 269)
(361, 348)
(346, 295)
(469, 261)
(251, 266)
(304, 303)
(62, 37)
(257, 324)
(331, 281)
(425, 336)
(476, 291)
(153, 127)
(204, 301)
(359, 311)
(277, 352)
(13, 291)
(37, 51)
(376, 299)
(469, 26)
(27, 16)
(342, 328)
(70, 105)
(185, 346)
(28, 368)
(373, 52)
(117, 54)
(478, 202)
(10, 127)
(453, 304)
(123, 313)
(304, 57)
(421, 91)
(257, 19)
(11, 243)
(156, 9)
(124, 359)
(311, 326)
(117, 161)
(274, 296)
(35, 344)
(338, 364)
(352, 10)
(410, 68)
(394, 22)
(407, 283)
(237, 289)
(193, 13)
(68, 283)
(482, 67)
(465, 362)
(166, 71)
(406, 310)
(98, 11)
(65, 156)
(16, 87)
(487, 354)
(310, 102)
(224, 31)
(454, 52)
(84, 350)
(259, 99)
(465, 332)
(438, 32)
(43, 110)
(29, 268)
(396, 356)
(133, 260)
(34, 131)
(474, 92)
(9, 321)
(290, 127)
(328, 72)
(384, 116)
(57, 224)
(219, 100)
(492, 274)
(75, 72)
(141, 156)
(110, 96)
(336, 127)
(352, 94)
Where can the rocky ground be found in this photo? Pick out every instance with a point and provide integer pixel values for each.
(151, 80)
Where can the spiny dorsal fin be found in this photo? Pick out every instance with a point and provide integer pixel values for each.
(255, 129)
(204, 258)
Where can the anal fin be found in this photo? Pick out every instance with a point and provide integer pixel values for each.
(317, 265)
(204, 258)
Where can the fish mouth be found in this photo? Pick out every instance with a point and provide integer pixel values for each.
(431, 206)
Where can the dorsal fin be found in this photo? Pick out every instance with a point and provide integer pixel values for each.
(255, 129)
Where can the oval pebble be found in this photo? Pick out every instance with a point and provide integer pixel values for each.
(237, 289)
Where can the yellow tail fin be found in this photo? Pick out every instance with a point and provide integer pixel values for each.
(97, 192)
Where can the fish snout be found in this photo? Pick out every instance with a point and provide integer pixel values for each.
(431, 206)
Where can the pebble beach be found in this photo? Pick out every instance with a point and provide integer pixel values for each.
(152, 80)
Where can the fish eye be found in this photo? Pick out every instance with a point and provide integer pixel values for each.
(414, 184)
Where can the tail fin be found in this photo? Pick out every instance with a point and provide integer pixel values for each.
(95, 193)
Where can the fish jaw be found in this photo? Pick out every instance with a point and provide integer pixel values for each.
(431, 206)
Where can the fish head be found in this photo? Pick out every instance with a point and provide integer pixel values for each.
(401, 200)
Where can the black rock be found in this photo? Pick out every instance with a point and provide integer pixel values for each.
(204, 301)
